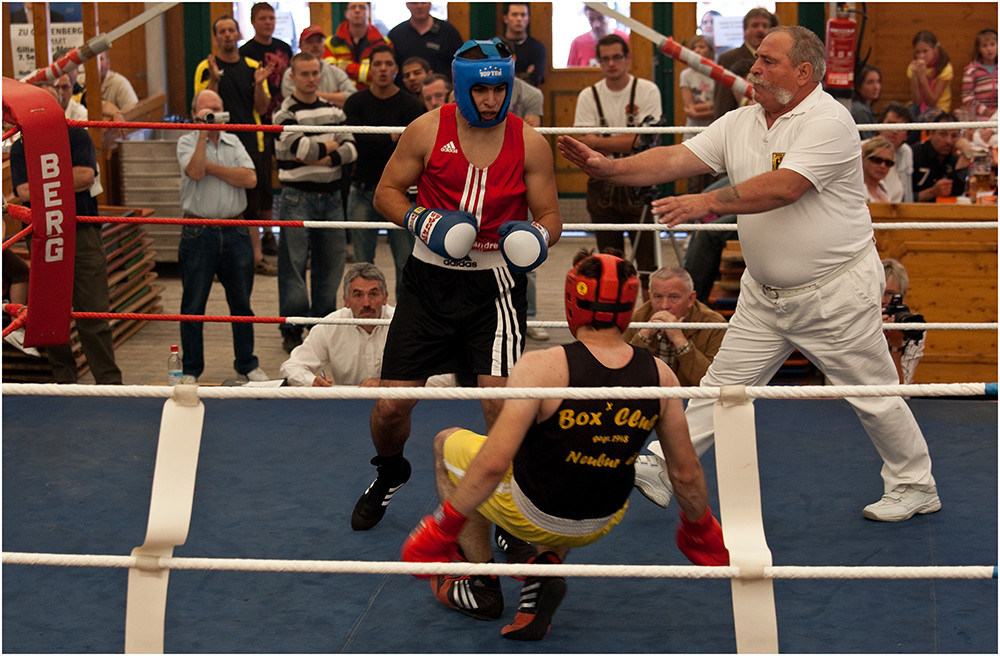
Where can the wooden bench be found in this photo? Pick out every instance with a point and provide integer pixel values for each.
(131, 288)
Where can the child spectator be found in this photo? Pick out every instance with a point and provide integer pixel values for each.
(979, 78)
(930, 74)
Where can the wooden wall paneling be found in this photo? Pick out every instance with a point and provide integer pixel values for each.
(891, 28)
(43, 57)
(128, 52)
(953, 279)
(90, 30)
(173, 25)
(458, 16)
(321, 13)
(8, 52)
(788, 14)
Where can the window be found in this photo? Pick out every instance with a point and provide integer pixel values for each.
(572, 21)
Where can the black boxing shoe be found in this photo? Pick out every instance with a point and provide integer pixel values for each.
(540, 597)
(517, 550)
(393, 472)
(476, 596)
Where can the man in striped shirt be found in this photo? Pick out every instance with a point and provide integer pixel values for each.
(310, 165)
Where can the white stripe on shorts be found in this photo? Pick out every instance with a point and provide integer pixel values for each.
(508, 333)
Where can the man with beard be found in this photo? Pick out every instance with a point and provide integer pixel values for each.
(813, 279)
(755, 26)
(241, 82)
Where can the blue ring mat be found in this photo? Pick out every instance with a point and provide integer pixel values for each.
(278, 479)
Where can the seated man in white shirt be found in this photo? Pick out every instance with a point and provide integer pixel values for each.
(341, 354)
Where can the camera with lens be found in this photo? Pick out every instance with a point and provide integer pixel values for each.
(900, 313)
(215, 117)
(649, 140)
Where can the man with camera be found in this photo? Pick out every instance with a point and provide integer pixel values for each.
(905, 346)
(216, 171)
(618, 100)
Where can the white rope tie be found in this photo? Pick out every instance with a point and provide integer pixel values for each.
(464, 393)
(497, 569)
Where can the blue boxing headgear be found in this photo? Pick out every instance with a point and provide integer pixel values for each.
(481, 62)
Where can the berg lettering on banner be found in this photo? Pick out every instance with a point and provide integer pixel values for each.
(53, 217)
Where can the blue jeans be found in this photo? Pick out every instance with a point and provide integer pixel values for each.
(360, 208)
(206, 252)
(326, 247)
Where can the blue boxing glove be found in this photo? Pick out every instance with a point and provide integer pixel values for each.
(448, 233)
(524, 245)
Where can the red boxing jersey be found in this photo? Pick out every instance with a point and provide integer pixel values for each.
(494, 195)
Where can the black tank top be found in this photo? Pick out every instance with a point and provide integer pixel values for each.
(579, 463)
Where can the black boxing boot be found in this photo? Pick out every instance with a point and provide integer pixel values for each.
(540, 597)
(393, 472)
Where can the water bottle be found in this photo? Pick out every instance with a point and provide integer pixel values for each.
(174, 368)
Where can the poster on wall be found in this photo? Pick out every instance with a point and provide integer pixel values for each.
(65, 32)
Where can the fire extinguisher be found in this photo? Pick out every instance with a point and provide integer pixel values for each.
(841, 33)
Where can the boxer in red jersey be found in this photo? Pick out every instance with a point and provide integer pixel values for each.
(461, 305)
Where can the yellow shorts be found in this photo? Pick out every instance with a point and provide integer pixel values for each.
(459, 450)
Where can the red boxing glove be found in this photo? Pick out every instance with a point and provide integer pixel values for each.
(701, 541)
(435, 539)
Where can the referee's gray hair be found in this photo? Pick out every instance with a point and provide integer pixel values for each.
(365, 270)
(895, 269)
(806, 47)
(666, 273)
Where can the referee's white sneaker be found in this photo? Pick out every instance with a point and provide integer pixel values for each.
(903, 502)
(651, 479)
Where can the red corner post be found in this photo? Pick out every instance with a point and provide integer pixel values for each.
(53, 210)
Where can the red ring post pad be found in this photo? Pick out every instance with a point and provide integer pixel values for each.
(53, 210)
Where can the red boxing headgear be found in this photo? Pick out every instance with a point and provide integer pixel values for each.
(604, 298)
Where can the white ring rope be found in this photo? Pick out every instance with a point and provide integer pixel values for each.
(455, 393)
(497, 569)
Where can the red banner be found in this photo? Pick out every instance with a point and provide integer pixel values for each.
(53, 210)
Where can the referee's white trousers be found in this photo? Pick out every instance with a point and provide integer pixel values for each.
(839, 328)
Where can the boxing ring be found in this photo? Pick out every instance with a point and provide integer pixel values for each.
(265, 562)
(277, 499)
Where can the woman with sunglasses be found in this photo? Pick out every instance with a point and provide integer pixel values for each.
(877, 160)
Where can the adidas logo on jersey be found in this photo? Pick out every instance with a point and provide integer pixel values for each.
(449, 147)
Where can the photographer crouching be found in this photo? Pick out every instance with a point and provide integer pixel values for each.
(905, 346)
